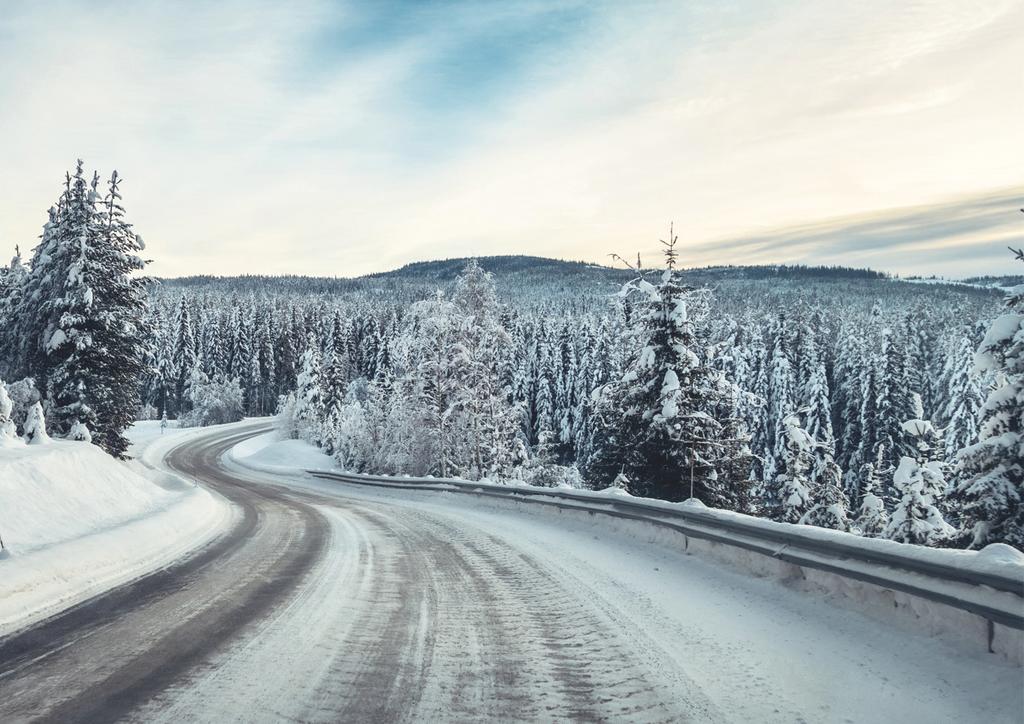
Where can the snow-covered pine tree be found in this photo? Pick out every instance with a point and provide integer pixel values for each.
(965, 398)
(565, 401)
(335, 385)
(81, 314)
(184, 357)
(793, 482)
(782, 393)
(544, 391)
(492, 421)
(868, 445)
(990, 488)
(12, 286)
(755, 407)
(309, 394)
(829, 507)
(920, 482)
(816, 399)
(872, 516)
(665, 418)
(286, 356)
(263, 364)
(847, 401)
(427, 357)
(35, 427)
(896, 392)
(120, 305)
(8, 432)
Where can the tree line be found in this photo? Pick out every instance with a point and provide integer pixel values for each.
(846, 400)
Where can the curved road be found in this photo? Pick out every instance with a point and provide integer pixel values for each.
(328, 602)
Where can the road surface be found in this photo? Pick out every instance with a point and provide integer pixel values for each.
(330, 602)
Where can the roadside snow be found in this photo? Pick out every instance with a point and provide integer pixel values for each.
(270, 454)
(76, 522)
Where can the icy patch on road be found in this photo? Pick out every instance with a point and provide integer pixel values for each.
(76, 522)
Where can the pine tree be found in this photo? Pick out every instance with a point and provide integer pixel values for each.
(781, 395)
(990, 488)
(121, 305)
(869, 445)
(829, 504)
(309, 394)
(492, 422)
(81, 314)
(963, 390)
(12, 287)
(666, 419)
(35, 428)
(896, 393)
(793, 483)
(755, 410)
(872, 516)
(8, 432)
(544, 392)
(920, 482)
(816, 400)
(184, 357)
(847, 401)
(427, 354)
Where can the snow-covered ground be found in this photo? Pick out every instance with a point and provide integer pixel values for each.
(271, 454)
(480, 587)
(268, 453)
(76, 522)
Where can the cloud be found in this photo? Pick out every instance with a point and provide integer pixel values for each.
(343, 138)
(960, 237)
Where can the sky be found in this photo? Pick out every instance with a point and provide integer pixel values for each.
(342, 138)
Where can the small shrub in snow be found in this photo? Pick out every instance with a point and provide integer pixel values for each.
(24, 394)
(621, 482)
(8, 433)
(79, 432)
(35, 426)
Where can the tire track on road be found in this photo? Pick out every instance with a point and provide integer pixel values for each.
(106, 656)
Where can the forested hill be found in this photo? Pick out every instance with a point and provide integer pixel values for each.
(548, 278)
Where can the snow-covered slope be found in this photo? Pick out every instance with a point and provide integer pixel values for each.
(75, 521)
(269, 453)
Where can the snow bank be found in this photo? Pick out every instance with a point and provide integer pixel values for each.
(746, 548)
(271, 454)
(76, 522)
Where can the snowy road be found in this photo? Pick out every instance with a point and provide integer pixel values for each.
(337, 603)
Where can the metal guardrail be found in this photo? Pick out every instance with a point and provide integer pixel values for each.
(889, 570)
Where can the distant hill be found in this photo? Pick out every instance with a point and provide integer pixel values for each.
(509, 269)
(529, 280)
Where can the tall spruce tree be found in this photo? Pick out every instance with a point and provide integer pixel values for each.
(667, 421)
(82, 314)
(990, 490)
(920, 482)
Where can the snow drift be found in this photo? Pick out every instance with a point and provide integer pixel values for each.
(75, 521)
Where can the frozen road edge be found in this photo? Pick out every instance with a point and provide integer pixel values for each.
(44, 582)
